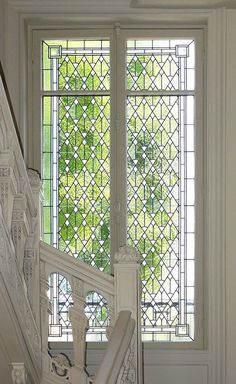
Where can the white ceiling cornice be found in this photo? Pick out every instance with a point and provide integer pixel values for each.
(56, 5)
(188, 4)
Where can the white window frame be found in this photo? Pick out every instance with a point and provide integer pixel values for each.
(118, 36)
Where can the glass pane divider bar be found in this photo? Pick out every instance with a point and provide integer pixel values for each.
(160, 93)
(75, 93)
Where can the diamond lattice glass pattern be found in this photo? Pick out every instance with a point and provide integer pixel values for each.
(160, 64)
(60, 297)
(80, 173)
(76, 160)
(160, 188)
(76, 65)
(97, 312)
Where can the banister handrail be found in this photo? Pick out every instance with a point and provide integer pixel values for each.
(62, 263)
(116, 350)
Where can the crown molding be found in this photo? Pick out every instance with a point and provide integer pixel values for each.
(187, 4)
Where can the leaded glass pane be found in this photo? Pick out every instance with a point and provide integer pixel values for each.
(160, 64)
(98, 315)
(76, 170)
(60, 297)
(160, 183)
(76, 65)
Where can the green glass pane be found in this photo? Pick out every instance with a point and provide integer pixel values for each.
(153, 197)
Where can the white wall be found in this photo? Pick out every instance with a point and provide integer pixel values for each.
(230, 199)
(2, 31)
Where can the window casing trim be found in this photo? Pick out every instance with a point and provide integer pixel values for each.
(118, 37)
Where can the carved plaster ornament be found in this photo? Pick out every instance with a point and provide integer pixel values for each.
(61, 364)
(34, 178)
(127, 254)
(18, 374)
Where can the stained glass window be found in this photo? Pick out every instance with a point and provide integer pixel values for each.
(76, 167)
(61, 300)
(98, 315)
(60, 297)
(76, 149)
(79, 117)
(160, 182)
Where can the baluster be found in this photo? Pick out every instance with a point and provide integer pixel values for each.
(79, 324)
(111, 315)
(127, 297)
(44, 309)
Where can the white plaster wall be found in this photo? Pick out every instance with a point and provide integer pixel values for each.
(12, 57)
(230, 201)
(2, 32)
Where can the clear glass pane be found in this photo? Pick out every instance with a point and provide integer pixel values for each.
(76, 65)
(160, 65)
(98, 315)
(60, 297)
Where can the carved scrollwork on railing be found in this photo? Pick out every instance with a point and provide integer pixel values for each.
(61, 366)
(127, 373)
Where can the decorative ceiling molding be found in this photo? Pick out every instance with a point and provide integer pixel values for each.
(187, 4)
(128, 4)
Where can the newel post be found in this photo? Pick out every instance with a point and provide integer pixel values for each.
(127, 297)
(79, 322)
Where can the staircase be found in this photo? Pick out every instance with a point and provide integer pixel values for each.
(25, 266)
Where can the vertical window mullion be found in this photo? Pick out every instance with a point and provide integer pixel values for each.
(120, 207)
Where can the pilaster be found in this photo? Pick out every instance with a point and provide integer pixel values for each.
(215, 199)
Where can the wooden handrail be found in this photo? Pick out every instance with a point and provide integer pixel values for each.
(116, 350)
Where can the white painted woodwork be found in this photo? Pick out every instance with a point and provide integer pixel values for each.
(111, 365)
(70, 267)
(128, 297)
(19, 330)
(230, 183)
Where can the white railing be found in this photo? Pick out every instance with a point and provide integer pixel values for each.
(26, 264)
(117, 364)
(19, 241)
(121, 293)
